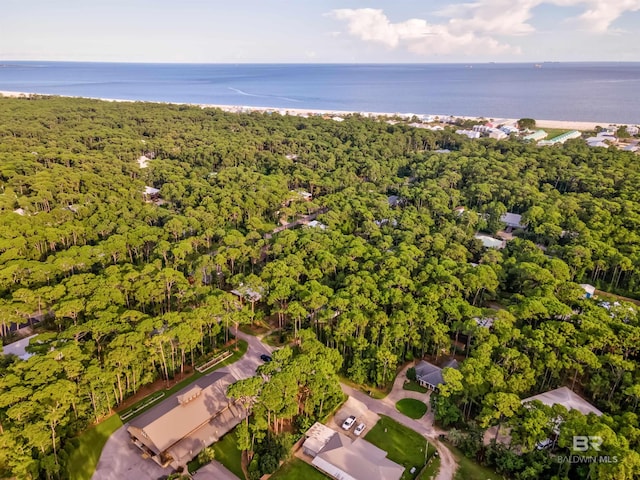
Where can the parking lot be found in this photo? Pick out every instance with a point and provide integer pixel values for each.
(360, 411)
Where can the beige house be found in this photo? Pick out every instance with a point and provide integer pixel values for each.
(176, 430)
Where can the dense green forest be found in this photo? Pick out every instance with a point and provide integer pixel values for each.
(133, 290)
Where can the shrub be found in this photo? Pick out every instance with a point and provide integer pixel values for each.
(411, 374)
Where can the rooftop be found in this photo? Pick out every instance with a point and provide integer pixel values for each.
(565, 397)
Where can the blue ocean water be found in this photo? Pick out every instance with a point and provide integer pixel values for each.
(599, 92)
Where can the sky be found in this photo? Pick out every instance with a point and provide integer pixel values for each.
(325, 31)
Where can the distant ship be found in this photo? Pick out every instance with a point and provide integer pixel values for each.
(538, 65)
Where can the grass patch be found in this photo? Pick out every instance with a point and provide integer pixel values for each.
(403, 445)
(373, 392)
(296, 469)
(277, 338)
(257, 328)
(431, 471)
(470, 470)
(554, 132)
(143, 405)
(414, 387)
(227, 453)
(411, 407)
(83, 460)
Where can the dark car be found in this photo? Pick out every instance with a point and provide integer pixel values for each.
(265, 358)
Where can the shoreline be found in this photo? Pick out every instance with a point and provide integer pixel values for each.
(540, 123)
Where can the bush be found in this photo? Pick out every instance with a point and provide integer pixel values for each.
(206, 455)
(411, 374)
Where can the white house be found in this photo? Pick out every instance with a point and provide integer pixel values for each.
(589, 289)
(468, 133)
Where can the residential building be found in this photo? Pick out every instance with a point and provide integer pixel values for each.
(565, 136)
(535, 136)
(565, 397)
(341, 458)
(430, 376)
(589, 289)
(175, 431)
(497, 134)
(468, 133)
(490, 242)
(513, 220)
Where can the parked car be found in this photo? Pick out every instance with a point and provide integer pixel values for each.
(265, 358)
(359, 429)
(348, 423)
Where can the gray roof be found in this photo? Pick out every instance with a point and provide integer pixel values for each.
(183, 413)
(512, 220)
(567, 398)
(432, 374)
(359, 459)
(19, 348)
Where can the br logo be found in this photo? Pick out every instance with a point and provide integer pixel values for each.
(582, 443)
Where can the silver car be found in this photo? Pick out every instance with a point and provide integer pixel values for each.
(359, 429)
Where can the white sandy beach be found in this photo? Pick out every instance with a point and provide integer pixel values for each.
(560, 124)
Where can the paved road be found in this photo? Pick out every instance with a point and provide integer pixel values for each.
(121, 460)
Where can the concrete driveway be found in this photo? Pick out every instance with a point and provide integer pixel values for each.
(362, 413)
(121, 460)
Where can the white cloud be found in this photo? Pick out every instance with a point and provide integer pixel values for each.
(416, 35)
(472, 28)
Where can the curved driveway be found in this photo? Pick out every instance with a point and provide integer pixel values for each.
(121, 460)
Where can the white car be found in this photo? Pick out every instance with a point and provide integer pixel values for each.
(359, 429)
(348, 423)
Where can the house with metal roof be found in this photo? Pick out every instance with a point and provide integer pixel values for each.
(340, 457)
(175, 431)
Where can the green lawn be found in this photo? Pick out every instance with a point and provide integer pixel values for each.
(411, 407)
(146, 405)
(296, 469)
(403, 445)
(83, 460)
(431, 471)
(470, 470)
(227, 453)
(414, 387)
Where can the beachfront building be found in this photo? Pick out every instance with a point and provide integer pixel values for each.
(536, 136)
(562, 138)
(497, 134)
(508, 129)
(175, 431)
(468, 133)
(633, 130)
